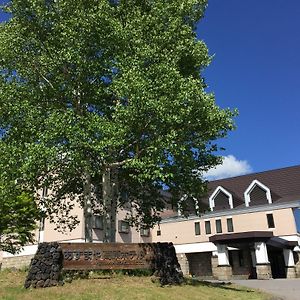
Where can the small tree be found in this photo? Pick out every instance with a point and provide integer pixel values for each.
(18, 214)
(104, 103)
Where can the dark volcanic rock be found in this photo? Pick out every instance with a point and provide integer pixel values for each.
(44, 271)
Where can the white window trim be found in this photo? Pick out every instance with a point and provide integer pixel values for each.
(250, 188)
(183, 198)
(216, 193)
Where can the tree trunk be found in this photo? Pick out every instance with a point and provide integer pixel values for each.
(110, 206)
(88, 216)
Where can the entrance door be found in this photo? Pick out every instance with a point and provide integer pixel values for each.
(277, 263)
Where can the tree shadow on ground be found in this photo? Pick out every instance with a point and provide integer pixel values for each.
(217, 284)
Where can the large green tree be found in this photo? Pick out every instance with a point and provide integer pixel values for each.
(103, 102)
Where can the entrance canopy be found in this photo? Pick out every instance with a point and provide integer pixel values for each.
(249, 236)
(241, 239)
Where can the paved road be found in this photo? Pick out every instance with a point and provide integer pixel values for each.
(287, 289)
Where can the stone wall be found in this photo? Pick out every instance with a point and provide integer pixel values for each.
(184, 263)
(263, 271)
(297, 263)
(17, 262)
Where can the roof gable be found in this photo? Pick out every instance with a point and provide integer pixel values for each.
(283, 184)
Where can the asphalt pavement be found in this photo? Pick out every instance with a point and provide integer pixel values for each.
(285, 289)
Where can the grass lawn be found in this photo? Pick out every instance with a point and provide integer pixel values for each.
(121, 287)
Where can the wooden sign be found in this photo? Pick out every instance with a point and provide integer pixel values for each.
(52, 258)
(102, 256)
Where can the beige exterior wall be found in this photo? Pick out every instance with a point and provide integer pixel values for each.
(183, 231)
(50, 234)
(133, 236)
(283, 219)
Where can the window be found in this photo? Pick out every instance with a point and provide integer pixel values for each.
(123, 227)
(220, 199)
(241, 258)
(207, 227)
(158, 232)
(197, 228)
(98, 222)
(229, 225)
(270, 219)
(219, 226)
(257, 193)
(145, 232)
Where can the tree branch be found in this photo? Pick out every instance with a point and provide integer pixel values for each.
(41, 75)
(119, 163)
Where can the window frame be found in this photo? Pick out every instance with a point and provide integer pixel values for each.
(98, 224)
(121, 228)
(207, 227)
(241, 258)
(197, 228)
(219, 228)
(145, 232)
(227, 221)
(270, 221)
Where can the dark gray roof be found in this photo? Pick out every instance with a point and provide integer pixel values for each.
(284, 185)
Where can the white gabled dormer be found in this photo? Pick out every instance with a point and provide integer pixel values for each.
(216, 193)
(256, 184)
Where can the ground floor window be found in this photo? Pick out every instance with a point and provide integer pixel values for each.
(123, 227)
(241, 258)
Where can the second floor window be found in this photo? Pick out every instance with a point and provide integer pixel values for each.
(270, 219)
(219, 226)
(229, 225)
(207, 227)
(197, 228)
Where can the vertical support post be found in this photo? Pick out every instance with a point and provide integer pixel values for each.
(263, 268)
(223, 258)
(224, 270)
(289, 263)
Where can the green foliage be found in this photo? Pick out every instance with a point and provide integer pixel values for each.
(91, 85)
(18, 214)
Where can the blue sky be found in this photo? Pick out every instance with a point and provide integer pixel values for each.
(3, 16)
(256, 69)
